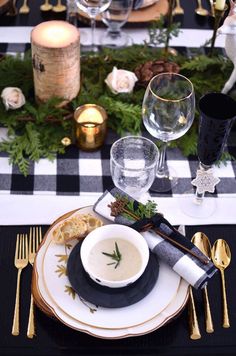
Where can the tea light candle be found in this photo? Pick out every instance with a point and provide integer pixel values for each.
(91, 126)
(56, 60)
(220, 4)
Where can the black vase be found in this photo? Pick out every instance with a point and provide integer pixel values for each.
(217, 112)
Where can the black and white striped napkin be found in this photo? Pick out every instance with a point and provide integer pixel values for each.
(187, 266)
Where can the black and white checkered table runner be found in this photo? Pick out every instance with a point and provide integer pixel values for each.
(82, 173)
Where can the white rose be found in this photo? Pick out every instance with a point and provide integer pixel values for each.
(12, 98)
(121, 81)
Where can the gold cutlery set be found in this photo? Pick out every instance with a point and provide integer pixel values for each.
(46, 6)
(219, 253)
(25, 253)
(221, 257)
(200, 10)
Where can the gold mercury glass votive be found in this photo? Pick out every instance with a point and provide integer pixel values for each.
(90, 126)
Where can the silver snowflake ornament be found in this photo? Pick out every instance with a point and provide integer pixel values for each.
(205, 181)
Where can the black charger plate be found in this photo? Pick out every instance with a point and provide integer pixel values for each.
(107, 297)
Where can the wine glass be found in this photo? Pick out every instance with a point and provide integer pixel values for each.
(92, 8)
(168, 112)
(217, 113)
(133, 162)
(115, 17)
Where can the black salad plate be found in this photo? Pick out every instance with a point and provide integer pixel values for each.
(107, 297)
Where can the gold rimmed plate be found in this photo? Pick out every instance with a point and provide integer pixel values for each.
(99, 321)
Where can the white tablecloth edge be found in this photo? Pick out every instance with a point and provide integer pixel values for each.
(44, 209)
(187, 37)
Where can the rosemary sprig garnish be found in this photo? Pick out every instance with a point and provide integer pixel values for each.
(116, 255)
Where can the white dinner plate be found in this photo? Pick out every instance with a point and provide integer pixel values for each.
(152, 311)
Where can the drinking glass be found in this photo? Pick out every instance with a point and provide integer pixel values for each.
(168, 112)
(133, 162)
(115, 17)
(217, 113)
(92, 8)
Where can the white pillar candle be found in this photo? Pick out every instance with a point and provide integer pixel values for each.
(220, 4)
(56, 60)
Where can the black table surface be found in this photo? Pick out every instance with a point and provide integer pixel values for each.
(188, 20)
(54, 338)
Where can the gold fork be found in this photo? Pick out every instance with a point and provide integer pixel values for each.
(35, 238)
(21, 261)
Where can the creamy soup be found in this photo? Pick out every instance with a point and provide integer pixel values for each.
(106, 267)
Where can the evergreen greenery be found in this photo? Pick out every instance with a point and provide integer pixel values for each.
(35, 131)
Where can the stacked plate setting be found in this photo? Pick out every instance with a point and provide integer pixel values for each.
(54, 295)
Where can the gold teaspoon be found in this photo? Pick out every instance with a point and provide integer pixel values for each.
(59, 7)
(221, 257)
(46, 6)
(178, 10)
(200, 240)
(200, 10)
(24, 9)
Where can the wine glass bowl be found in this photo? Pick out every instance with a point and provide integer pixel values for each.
(92, 8)
(168, 112)
(115, 17)
(133, 164)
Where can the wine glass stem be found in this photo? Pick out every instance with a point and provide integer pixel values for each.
(93, 26)
(161, 163)
(199, 196)
(114, 33)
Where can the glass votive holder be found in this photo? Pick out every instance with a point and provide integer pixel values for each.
(90, 126)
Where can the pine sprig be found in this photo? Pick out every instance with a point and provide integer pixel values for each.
(126, 117)
(138, 209)
(32, 136)
(187, 143)
(160, 34)
(17, 72)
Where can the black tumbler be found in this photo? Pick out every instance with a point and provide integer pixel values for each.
(217, 112)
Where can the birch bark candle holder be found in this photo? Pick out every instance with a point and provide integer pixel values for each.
(56, 61)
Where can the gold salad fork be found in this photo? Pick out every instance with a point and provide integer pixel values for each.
(35, 238)
(21, 261)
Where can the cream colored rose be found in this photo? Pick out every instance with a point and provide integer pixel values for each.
(12, 98)
(121, 81)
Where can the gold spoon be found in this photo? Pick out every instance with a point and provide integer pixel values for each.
(221, 256)
(59, 7)
(24, 9)
(200, 10)
(200, 240)
(46, 6)
(178, 10)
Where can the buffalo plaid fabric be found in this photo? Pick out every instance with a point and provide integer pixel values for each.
(82, 173)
